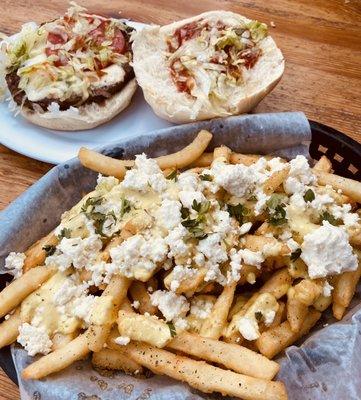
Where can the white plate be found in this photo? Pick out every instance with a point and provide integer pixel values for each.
(55, 146)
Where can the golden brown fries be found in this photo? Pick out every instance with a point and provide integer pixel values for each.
(35, 255)
(9, 329)
(116, 360)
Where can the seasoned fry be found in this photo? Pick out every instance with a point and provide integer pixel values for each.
(9, 329)
(58, 359)
(13, 294)
(245, 159)
(215, 323)
(187, 285)
(116, 291)
(296, 311)
(234, 357)
(116, 359)
(275, 180)
(349, 187)
(35, 255)
(257, 243)
(273, 341)
(144, 328)
(323, 164)
(222, 153)
(307, 291)
(205, 160)
(278, 284)
(61, 339)
(203, 376)
(188, 154)
(138, 292)
(280, 315)
(100, 163)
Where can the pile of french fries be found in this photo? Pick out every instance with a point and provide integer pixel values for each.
(211, 355)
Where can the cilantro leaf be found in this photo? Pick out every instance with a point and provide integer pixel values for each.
(309, 196)
(296, 254)
(125, 206)
(238, 212)
(49, 249)
(172, 329)
(173, 175)
(276, 210)
(326, 216)
(90, 203)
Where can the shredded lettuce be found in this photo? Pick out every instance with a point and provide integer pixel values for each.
(258, 30)
(230, 38)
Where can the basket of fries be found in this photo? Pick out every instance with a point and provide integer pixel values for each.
(171, 265)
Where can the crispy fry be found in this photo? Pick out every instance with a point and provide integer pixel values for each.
(97, 333)
(61, 339)
(280, 316)
(205, 160)
(278, 284)
(275, 180)
(238, 304)
(144, 328)
(296, 311)
(138, 292)
(307, 291)
(215, 323)
(100, 163)
(187, 285)
(245, 159)
(349, 187)
(338, 311)
(13, 294)
(203, 376)
(222, 153)
(35, 255)
(257, 243)
(322, 303)
(116, 359)
(234, 357)
(273, 341)
(9, 329)
(58, 359)
(323, 164)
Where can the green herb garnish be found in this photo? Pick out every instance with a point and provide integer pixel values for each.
(90, 203)
(172, 329)
(125, 206)
(309, 196)
(65, 233)
(258, 316)
(239, 212)
(206, 177)
(49, 249)
(326, 216)
(276, 210)
(296, 254)
(185, 212)
(173, 175)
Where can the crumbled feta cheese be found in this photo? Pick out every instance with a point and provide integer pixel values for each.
(235, 266)
(327, 251)
(14, 263)
(145, 175)
(343, 213)
(177, 246)
(82, 307)
(299, 176)
(122, 340)
(251, 257)
(188, 181)
(276, 164)
(269, 316)
(292, 244)
(201, 308)
(199, 259)
(138, 253)
(136, 304)
(181, 323)
(245, 228)
(248, 328)
(171, 305)
(34, 339)
(75, 251)
(106, 183)
(320, 201)
(327, 289)
(261, 201)
(168, 215)
(212, 248)
(180, 273)
(187, 197)
(67, 291)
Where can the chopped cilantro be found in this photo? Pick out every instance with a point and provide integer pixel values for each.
(296, 254)
(65, 233)
(238, 212)
(185, 212)
(276, 210)
(172, 329)
(309, 196)
(125, 206)
(326, 216)
(49, 249)
(90, 203)
(206, 177)
(173, 175)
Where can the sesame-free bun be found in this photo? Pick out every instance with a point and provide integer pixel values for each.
(152, 73)
(87, 117)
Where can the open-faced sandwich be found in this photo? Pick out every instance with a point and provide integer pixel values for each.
(71, 73)
(215, 64)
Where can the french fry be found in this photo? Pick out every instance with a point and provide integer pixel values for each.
(144, 328)
(296, 311)
(246, 272)
(35, 254)
(13, 294)
(117, 360)
(9, 329)
(322, 303)
(307, 291)
(213, 326)
(203, 376)
(273, 341)
(100, 163)
(323, 164)
(257, 243)
(234, 357)
(58, 359)
(238, 304)
(278, 284)
(344, 287)
(348, 187)
(97, 333)
(275, 180)
(245, 159)
(61, 339)
(222, 153)
(205, 160)
(280, 316)
(338, 311)
(138, 292)
(187, 285)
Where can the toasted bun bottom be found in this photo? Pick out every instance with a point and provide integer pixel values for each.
(152, 73)
(89, 116)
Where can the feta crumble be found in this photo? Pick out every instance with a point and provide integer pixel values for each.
(171, 305)
(34, 339)
(14, 263)
(122, 340)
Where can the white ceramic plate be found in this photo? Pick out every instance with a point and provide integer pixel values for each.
(57, 146)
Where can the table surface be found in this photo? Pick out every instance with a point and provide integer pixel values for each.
(320, 41)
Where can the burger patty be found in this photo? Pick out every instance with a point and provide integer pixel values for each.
(98, 95)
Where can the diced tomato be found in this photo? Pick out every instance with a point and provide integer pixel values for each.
(98, 34)
(118, 43)
(55, 38)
